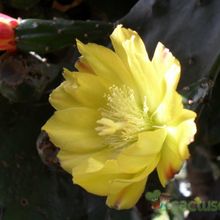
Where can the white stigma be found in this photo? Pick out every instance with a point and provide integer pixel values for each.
(123, 117)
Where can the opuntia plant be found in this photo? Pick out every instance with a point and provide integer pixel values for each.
(38, 42)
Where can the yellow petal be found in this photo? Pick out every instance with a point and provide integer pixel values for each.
(79, 163)
(60, 99)
(175, 149)
(170, 163)
(98, 182)
(125, 196)
(119, 118)
(183, 115)
(90, 90)
(172, 77)
(170, 108)
(83, 66)
(130, 48)
(105, 177)
(125, 192)
(121, 35)
(184, 136)
(95, 162)
(73, 130)
(78, 90)
(168, 67)
(69, 160)
(164, 62)
(105, 63)
(142, 153)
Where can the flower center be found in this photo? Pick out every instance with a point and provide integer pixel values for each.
(122, 117)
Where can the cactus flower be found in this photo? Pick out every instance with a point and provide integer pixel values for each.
(7, 33)
(119, 117)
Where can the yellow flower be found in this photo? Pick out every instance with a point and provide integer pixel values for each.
(119, 117)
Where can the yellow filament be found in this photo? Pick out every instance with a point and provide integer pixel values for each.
(123, 117)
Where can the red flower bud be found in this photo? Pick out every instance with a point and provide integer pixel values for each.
(7, 33)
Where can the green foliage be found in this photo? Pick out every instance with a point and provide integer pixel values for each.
(28, 189)
(44, 36)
